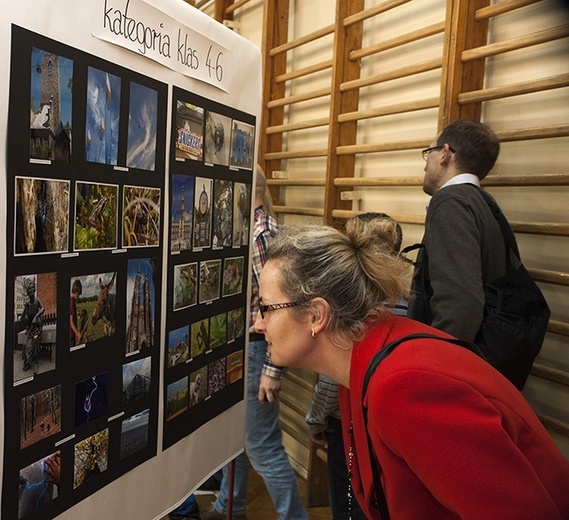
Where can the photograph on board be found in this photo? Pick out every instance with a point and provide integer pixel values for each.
(185, 285)
(40, 415)
(39, 484)
(241, 213)
(140, 304)
(235, 324)
(218, 330)
(199, 339)
(217, 138)
(198, 386)
(136, 378)
(35, 324)
(189, 131)
(103, 117)
(96, 215)
(91, 457)
(178, 346)
(92, 308)
(51, 101)
(216, 376)
(222, 213)
(202, 213)
(142, 125)
(141, 216)
(234, 367)
(91, 398)
(233, 276)
(134, 434)
(182, 212)
(42, 216)
(210, 274)
(242, 149)
(176, 398)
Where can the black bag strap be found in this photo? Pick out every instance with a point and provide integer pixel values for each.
(380, 501)
(504, 225)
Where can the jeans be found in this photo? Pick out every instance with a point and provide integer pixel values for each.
(265, 451)
(338, 481)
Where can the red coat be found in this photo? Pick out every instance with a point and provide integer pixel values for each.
(454, 438)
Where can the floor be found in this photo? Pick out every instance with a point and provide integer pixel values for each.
(259, 504)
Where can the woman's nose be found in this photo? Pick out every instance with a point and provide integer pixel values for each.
(259, 323)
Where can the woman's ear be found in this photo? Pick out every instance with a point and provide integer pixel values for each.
(319, 315)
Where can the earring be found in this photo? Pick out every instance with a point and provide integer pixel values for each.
(314, 333)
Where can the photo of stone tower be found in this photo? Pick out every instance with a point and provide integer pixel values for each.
(140, 328)
(50, 104)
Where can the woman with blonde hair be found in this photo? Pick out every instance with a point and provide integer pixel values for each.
(444, 435)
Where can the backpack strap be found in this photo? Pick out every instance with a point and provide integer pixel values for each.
(380, 501)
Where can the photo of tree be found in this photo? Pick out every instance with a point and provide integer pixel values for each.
(210, 273)
(91, 457)
(222, 213)
(40, 415)
(241, 214)
(42, 216)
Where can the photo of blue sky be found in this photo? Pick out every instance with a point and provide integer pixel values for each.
(102, 125)
(142, 117)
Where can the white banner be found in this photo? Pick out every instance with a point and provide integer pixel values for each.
(139, 27)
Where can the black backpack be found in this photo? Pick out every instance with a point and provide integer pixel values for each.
(515, 311)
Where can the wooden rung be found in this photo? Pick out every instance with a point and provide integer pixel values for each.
(550, 373)
(295, 154)
(522, 42)
(404, 72)
(290, 100)
(558, 327)
(515, 89)
(325, 31)
(299, 381)
(302, 125)
(378, 181)
(541, 228)
(311, 212)
(401, 218)
(300, 437)
(231, 9)
(411, 37)
(540, 132)
(319, 183)
(547, 276)
(506, 6)
(401, 108)
(554, 424)
(382, 147)
(372, 11)
(317, 67)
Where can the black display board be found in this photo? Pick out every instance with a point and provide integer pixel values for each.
(85, 199)
(211, 176)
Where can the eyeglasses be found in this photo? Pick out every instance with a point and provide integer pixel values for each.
(425, 153)
(263, 309)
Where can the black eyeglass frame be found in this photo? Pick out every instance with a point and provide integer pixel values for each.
(264, 309)
(425, 153)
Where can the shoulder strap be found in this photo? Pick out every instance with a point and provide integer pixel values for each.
(388, 349)
(380, 501)
(504, 225)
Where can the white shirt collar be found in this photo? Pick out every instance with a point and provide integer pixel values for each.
(461, 178)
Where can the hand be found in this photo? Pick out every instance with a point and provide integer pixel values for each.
(269, 388)
(53, 468)
(319, 438)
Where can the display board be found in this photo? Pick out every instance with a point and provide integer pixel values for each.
(129, 145)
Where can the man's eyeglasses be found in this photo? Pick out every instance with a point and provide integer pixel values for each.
(263, 309)
(425, 153)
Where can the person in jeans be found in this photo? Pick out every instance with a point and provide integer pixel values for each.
(263, 436)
